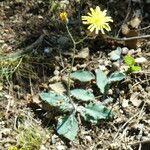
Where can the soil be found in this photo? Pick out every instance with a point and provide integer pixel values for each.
(35, 51)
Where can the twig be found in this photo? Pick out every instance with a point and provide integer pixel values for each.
(128, 12)
(140, 82)
(145, 28)
(127, 39)
(123, 126)
(139, 142)
(24, 51)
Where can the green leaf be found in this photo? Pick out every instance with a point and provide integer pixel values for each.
(129, 60)
(82, 94)
(95, 112)
(101, 80)
(115, 55)
(135, 68)
(68, 127)
(116, 76)
(83, 76)
(60, 101)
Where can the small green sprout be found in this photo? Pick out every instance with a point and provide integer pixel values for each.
(130, 61)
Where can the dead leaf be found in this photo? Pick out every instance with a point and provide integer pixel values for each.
(35, 99)
(84, 53)
(134, 99)
(65, 80)
(132, 43)
(125, 29)
(58, 87)
(135, 22)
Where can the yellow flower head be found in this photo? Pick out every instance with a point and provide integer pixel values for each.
(97, 20)
(64, 17)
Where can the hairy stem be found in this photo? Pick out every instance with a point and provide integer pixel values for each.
(72, 63)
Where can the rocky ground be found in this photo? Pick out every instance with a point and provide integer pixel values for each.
(35, 55)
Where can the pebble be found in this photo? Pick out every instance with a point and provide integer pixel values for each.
(57, 58)
(125, 50)
(116, 65)
(139, 50)
(65, 60)
(148, 89)
(74, 68)
(56, 72)
(57, 68)
(122, 93)
(125, 103)
(88, 138)
(140, 60)
(131, 52)
(110, 92)
(7, 145)
(2, 41)
(102, 67)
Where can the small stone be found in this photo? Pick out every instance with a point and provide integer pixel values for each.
(57, 68)
(148, 89)
(139, 50)
(60, 147)
(131, 52)
(102, 67)
(57, 58)
(54, 138)
(101, 61)
(47, 50)
(140, 60)
(116, 65)
(110, 92)
(122, 92)
(7, 145)
(88, 138)
(42, 147)
(135, 100)
(125, 103)
(56, 72)
(106, 63)
(125, 50)
(65, 60)
(74, 68)
(2, 41)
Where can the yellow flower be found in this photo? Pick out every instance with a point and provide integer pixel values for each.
(64, 17)
(97, 20)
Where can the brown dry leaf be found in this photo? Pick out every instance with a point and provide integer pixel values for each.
(134, 99)
(84, 53)
(135, 22)
(58, 87)
(125, 29)
(132, 43)
(35, 99)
